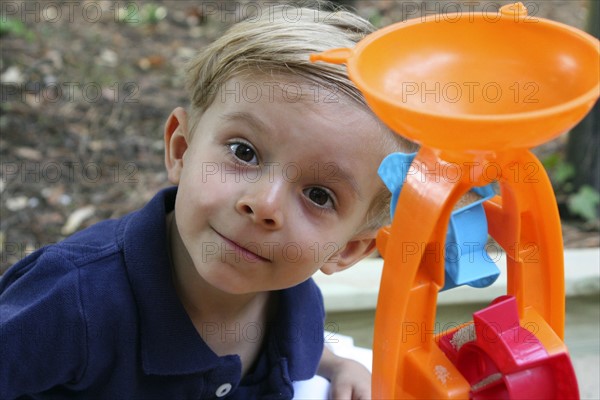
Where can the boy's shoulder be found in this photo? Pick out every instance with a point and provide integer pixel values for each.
(62, 259)
(66, 307)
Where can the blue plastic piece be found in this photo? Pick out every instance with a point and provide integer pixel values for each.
(466, 261)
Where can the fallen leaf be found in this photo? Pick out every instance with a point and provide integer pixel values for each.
(16, 203)
(12, 75)
(29, 153)
(153, 61)
(76, 219)
(108, 58)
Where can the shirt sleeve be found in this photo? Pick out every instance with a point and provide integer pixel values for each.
(42, 326)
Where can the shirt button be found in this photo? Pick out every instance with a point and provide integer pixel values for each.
(223, 390)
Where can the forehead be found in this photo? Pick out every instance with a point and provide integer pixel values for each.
(257, 87)
(298, 103)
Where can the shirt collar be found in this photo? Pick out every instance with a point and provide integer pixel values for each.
(298, 334)
(170, 344)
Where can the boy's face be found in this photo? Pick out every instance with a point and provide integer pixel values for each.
(272, 189)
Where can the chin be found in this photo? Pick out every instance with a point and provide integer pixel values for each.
(231, 285)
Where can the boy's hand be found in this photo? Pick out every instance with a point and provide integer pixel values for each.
(349, 379)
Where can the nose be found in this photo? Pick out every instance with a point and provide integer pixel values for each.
(264, 205)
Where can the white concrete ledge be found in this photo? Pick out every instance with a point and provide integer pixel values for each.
(357, 288)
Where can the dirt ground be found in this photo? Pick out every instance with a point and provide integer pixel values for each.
(87, 85)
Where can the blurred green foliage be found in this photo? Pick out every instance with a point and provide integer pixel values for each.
(11, 26)
(582, 201)
(147, 13)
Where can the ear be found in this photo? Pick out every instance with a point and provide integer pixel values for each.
(176, 143)
(354, 251)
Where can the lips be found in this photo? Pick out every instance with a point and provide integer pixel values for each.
(245, 252)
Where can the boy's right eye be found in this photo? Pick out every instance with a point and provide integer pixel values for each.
(243, 152)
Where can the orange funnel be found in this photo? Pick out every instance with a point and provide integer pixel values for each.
(476, 81)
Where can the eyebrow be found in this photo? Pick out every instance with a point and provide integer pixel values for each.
(345, 176)
(256, 124)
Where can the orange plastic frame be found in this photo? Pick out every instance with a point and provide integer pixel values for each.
(524, 221)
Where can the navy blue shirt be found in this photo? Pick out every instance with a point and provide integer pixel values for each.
(97, 316)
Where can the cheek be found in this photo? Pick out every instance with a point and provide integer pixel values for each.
(192, 206)
(205, 187)
(309, 252)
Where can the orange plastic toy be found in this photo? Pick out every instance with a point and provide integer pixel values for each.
(476, 91)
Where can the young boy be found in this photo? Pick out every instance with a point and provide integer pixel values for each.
(206, 291)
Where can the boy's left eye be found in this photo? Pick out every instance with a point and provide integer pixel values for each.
(319, 196)
(243, 152)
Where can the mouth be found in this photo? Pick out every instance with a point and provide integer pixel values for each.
(244, 251)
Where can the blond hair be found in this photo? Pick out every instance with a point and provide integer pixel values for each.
(278, 41)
